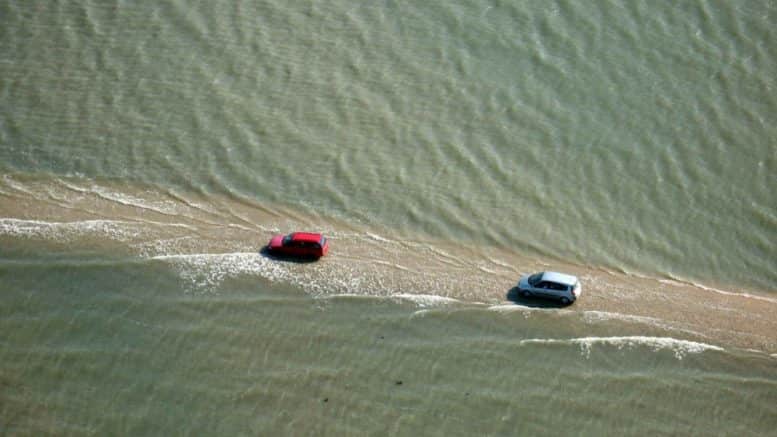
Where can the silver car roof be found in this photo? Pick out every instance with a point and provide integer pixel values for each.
(560, 278)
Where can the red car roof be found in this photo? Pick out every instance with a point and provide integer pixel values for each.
(306, 236)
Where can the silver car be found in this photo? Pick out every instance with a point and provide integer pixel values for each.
(553, 285)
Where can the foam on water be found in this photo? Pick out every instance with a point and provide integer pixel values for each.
(468, 142)
(426, 300)
(717, 290)
(167, 207)
(393, 265)
(513, 307)
(377, 237)
(599, 316)
(679, 347)
(204, 272)
(206, 250)
(63, 231)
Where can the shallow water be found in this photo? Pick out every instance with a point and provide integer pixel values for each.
(127, 349)
(149, 151)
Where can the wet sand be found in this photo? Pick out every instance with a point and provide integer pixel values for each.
(212, 238)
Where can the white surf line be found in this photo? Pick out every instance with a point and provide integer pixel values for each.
(376, 237)
(66, 231)
(349, 296)
(244, 228)
(206, 255)
(45, 197)
(392, 265)
(52, 200)
(163, 241)
(443, 255)
(175, 225)
(716, 290)
(426, 300)
(593, 316)
(196, 206)
(249, 225)
(684, 283)
(16, 185)
(88, 224)
(515, 307)
(121, 198)
(13, 224)
(502, 264)
(485, 269)
(168, 207)
(680, 347)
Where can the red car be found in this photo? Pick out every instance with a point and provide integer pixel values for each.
(299, 244)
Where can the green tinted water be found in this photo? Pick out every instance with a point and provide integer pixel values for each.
(149, 150)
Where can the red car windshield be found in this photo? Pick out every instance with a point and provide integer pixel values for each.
(288, 239)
